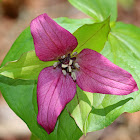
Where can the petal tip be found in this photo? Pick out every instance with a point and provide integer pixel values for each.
(45, 126)
(135, 88)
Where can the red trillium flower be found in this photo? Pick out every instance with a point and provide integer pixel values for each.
(91, 71)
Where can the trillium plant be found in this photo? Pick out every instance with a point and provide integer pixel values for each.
(67, 77)
(91, 71)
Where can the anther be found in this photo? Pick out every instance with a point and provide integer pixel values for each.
(69, 68)
(64, 72)
(75, 53)
(56, 64)
(77, 65)
(70, 62)
(64, 66)
(73, 75)
(62, 57)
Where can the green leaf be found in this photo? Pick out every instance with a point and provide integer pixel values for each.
(122, 49)
(98, 9)
(73, 24)
(27, 67)
(67, 128)
(129, 37)
(33, 137)
(80, 107)
(18, 94)
(23, 42)
(92, 36)
(106, 108)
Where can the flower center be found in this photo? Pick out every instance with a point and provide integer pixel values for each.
(68, 65)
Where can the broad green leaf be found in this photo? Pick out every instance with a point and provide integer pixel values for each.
(122, 49)
(73, 24)
(92, 36)
(33, 137)
(24, 42)
(98, 9)
(80, 107)
(129, 37)
(66, 128)
(18, 94)
(27, 67)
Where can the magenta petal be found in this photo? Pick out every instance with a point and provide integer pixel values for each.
(54, 91)
(99, 75)
(51, 40)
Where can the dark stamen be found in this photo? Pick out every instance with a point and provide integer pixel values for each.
(68, 65)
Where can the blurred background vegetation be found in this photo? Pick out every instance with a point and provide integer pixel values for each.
(15, 16)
